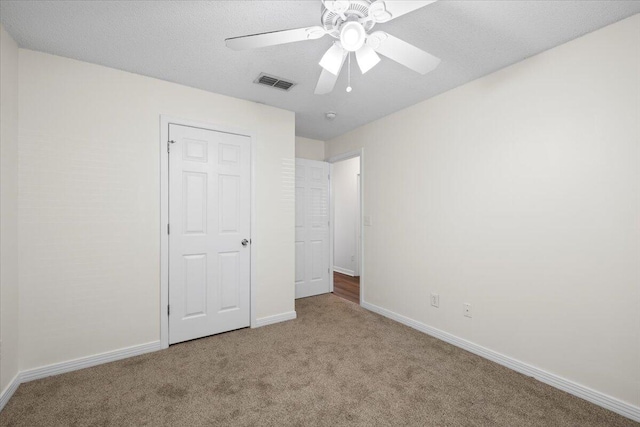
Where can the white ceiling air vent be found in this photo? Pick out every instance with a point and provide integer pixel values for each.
(273, 81)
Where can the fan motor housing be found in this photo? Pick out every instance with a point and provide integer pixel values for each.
(358, 9)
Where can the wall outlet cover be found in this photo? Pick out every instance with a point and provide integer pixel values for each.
(435, 300)
(467, 310)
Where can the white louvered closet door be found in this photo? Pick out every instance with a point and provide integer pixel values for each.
(312, 228)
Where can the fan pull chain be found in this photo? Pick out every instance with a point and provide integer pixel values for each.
(349, 74)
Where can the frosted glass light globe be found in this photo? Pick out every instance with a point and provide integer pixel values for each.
(352, 36)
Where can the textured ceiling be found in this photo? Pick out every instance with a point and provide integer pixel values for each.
(183, 42)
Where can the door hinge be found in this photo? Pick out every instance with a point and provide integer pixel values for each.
(171, 141)
(168, 310)
(168, 230)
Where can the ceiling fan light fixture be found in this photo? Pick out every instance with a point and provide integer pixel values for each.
(349, 22)
(367, 58)
(332, 59)
(352, 36)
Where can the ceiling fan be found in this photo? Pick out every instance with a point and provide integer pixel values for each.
(351, 22)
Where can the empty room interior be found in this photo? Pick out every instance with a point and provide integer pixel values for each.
(320, 212)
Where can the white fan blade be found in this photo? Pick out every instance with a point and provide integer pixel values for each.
(333, 58)
(367, 58)
(402, 52)
(327, 80)
(255, 41)
(386, 10)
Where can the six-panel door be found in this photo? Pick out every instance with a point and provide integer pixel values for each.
(209, 217)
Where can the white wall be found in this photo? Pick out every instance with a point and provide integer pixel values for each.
(9, 291)
(311, 149)
(346, 220)
(520, 194)
(90, 208)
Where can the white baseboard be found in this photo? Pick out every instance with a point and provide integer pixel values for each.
(276, 318)
(86, 362)
(344, 271)
(9, 390)
(74, 365)
(618, 406)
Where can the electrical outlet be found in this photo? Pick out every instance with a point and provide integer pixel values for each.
(435, 300)
(467, 310)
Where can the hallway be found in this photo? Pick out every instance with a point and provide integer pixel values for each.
(346, 287)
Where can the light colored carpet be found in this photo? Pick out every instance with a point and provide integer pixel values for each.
(337, 364)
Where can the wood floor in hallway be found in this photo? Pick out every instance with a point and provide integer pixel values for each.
(346, 287)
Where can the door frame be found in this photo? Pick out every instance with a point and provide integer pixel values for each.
(165, 121)
(332, 206)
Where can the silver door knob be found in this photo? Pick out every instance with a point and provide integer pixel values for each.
(245, 242)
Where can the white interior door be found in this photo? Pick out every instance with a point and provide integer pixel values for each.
(209, 219)
(312, 228)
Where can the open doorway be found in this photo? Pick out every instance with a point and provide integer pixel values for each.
(346, 231)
